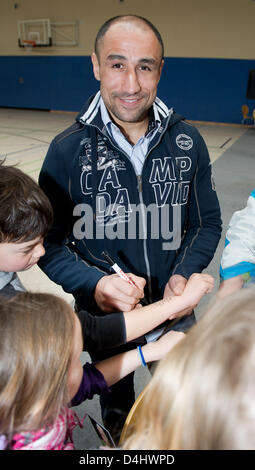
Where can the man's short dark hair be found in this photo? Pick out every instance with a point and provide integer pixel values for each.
(104, 28)
(25, 211)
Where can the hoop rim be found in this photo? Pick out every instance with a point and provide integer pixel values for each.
(31, 43)
(28, 43)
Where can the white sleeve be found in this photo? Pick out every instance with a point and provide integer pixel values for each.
(238, 256)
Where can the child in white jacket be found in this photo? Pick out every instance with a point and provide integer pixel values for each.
(238, 258)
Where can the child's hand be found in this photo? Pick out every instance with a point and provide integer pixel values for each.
(158, 349)
(196, 287)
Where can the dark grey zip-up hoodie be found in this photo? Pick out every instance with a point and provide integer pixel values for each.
(165, 221)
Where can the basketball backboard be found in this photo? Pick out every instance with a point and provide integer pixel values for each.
(36, 32)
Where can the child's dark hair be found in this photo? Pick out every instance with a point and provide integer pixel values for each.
(25, 211)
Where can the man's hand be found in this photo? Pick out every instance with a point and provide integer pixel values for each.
(197, 286)
(114, 294)
(193, 290)
(175, 285)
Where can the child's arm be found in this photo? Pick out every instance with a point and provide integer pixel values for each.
(117, 367)
(229, 286)
(97, 377)
(144, 319)
(138, 322)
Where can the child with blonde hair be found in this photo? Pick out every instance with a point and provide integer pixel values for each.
(201, 396)
(41, 373)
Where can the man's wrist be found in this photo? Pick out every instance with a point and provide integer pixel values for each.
(98, 285)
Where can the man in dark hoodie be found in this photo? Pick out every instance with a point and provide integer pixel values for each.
(130, 177)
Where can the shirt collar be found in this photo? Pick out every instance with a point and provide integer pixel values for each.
(154, 118)
(5, 278)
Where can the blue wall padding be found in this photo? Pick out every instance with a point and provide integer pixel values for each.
(200, 89)
(207, 89)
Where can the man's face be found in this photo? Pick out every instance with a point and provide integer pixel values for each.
(129, 69)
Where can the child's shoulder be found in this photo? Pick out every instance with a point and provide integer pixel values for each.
(10, 284)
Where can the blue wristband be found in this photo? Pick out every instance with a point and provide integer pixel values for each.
(139, 349)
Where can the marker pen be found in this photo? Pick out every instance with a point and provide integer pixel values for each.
(117, 269)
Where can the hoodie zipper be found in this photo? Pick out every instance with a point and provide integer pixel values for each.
(145, 251)
(139, 187)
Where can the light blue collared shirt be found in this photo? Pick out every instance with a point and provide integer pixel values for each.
(137, 152)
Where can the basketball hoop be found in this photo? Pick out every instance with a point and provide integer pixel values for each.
(29, 45)
(34, 33)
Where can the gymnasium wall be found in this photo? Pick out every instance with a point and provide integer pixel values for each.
(209, 50)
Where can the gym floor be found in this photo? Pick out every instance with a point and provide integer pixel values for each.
(24, 139)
